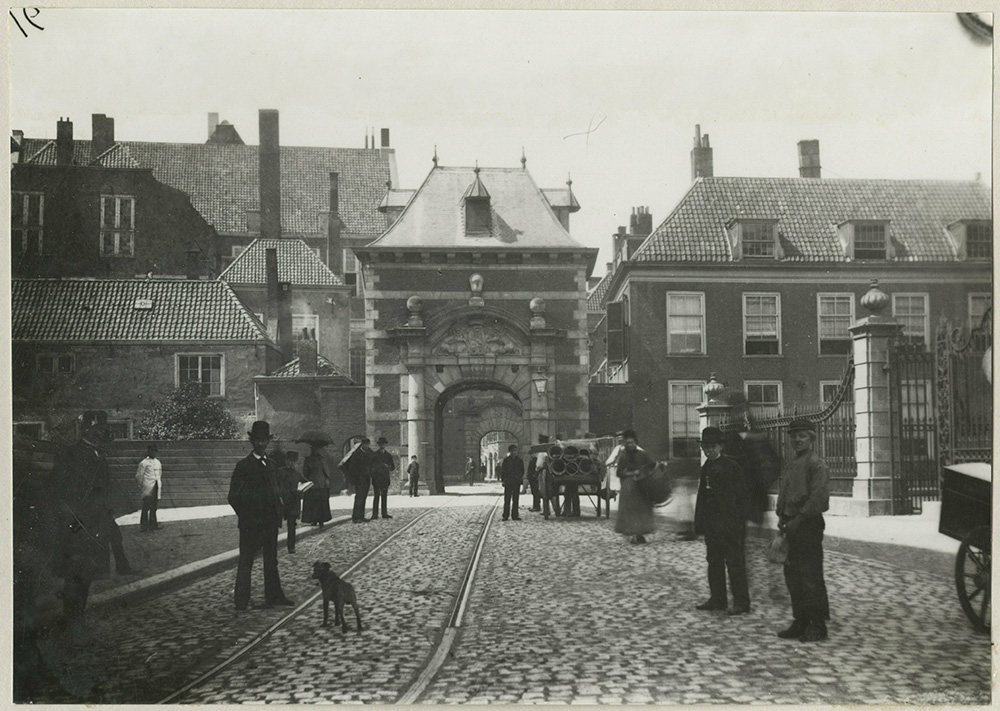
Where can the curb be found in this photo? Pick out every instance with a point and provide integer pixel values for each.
(178, 577)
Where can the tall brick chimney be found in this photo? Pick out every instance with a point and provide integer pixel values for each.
(270, 175)
(307, 357)
(102, 135)
(286, 340)
(641, 222)
(701, 156)
(809, 159)
(385, 138)
(213, 123)
(274, 359)
(334, 248)
(64, 142)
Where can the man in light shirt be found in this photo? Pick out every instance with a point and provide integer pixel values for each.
(149, 476)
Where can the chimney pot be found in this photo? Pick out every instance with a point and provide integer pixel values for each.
(102, 134)
(64, 142)
(307, 357)
(809, 166)
(701, 156)
(385, 138)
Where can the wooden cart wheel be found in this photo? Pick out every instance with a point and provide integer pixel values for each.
(972, 577)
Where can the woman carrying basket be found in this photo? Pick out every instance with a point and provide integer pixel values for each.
(635, 511)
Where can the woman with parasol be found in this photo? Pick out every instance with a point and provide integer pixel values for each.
(316, 500)
(635, 510)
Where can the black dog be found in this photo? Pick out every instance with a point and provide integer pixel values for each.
(341, 591)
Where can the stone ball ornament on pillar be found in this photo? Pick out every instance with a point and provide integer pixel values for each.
(476, 286)
(414, 305)
(875, 300)
(537, 306)
(713, 389)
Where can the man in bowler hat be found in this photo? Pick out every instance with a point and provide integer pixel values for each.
(255, 496)
(803, 496)
(720, 514)
(358, 465)
(382, 466)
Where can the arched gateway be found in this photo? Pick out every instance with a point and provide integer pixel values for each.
(477, 286)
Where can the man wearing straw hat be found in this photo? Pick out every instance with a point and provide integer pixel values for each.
(256, 499)
(803, 496)
(720, 514)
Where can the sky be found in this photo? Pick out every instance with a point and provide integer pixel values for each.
(609, 98)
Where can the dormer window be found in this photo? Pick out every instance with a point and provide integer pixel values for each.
(869, 241)
(478, 218)
(979, 240)
(754, 239)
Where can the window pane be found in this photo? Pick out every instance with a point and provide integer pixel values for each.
(834, 321)
(869, 241)
(757, 239)
(17, 211)
(350, 262)
(979, 241)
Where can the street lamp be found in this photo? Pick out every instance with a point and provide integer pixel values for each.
(540, 380)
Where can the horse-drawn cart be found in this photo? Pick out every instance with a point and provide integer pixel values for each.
(966, 505)
(578, 463)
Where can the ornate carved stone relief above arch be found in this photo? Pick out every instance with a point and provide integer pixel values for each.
(469, 338)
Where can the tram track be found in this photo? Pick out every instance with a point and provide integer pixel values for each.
(432, 661)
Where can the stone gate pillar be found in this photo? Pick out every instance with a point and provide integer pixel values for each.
(872, 493)
(713, 412)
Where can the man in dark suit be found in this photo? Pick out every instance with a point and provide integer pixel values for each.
(721, 514)
(382, 466)
(255, 497)
(512, 477)
(358, 467)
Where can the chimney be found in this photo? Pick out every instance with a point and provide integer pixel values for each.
(609, 267)
(307, 357)
(270, 176)
(193, 264)
(213, 123)
(809, 159)
(102, 135)
(286, 341)
(701, 156)
(641, 221)
(64, 142)
(334, 248)
(273, 359)
(385, 138)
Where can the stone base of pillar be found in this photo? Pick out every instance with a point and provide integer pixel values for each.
(862, 508)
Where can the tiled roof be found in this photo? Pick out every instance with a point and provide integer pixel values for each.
(597, 295)
(61, 310)
(222, 181)
(323, 367)
(117, 156)
(297, 264)
(435, 217)
(808, 212)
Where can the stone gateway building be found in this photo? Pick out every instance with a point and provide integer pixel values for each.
(476, 294)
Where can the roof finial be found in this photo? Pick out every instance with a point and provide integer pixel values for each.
(524, 160)
(435, 158)
(569, 181)
(476, 170)
(388, 184)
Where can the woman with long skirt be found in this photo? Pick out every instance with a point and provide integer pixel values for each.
(316, 500)
(635, 511)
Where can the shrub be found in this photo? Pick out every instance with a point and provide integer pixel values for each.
(187, 413)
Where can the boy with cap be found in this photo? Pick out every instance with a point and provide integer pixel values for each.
(803, 496)
(721, 515)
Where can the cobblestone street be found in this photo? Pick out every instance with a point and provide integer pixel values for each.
(561, 611)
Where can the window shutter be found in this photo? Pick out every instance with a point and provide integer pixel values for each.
(616, 332)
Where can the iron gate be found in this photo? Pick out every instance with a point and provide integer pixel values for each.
(965, 395)
(912, 412)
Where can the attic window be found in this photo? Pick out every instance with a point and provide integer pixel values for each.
(478, 220)
(979, 240)
(869, 241)
(757, 239)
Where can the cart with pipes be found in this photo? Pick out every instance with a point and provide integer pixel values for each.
(579, 462)
(966, 516)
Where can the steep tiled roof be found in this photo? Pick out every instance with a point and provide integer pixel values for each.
(39, 152)
(808, 212)
(323, 367)
(62, 310)
(222, 181)
(561, 197)
(597, 295)
(297, 264)
(117, 156)
(435, 217)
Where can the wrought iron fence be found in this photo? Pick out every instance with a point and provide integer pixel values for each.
(912, 412)
(965, 396)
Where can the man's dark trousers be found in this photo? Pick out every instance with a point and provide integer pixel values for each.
(361, 486)
(804, 572)
(725, 552)
(414, 484)
(264, 538)
(511, 496)
(536, 493)
(290, 539)
(381, 496)
(147, 519)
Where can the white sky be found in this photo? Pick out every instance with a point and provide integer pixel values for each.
(888, 95)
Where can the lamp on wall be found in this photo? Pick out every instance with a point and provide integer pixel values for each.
(540, 380)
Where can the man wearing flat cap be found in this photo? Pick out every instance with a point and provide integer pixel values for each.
(803, 496)
(256, 499)
(720, 514)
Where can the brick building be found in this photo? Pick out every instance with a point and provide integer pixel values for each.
(477, 286)
(758, 280)
(118, 344)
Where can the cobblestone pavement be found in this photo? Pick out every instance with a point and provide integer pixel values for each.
(562, 611)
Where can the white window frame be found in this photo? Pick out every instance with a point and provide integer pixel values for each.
(117, 233)
(862, 224)
(348, 258)
(975, 320)
(222, 369)
(299, 321)
(779, 405)
(777, 304)
(703, 329)
(691, 434)
(25, 228)
(988, 226)
(819, 319)
(927, 310)
(772, 227)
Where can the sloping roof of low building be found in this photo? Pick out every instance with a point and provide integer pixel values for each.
(222, 180)
(808, 212)
(68, 310)
(323, 368)
(597, 295)
(297, 264)
(435, 216)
